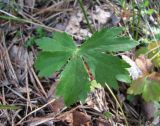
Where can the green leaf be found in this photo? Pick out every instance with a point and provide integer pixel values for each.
(40, 32)
(124, 78)
(94, 85)
(137, 87)
(108, 40)
(60, 42)
(105, 68)
(49, 62)
(55, 53)
(60, 53)
(150, 89)
(74, 82)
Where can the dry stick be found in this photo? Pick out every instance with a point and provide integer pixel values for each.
(41, 121)
(125, 119)
(59, 115)
(4, 103)
(4, 12)
(15, 92)
(27, 89)
(35, 111)
(14, 117)
(36, 78)
(30, 22)
(51, 8)
(56, 117)
(52, 16)
(14, 18)
(26, 16)
(33, 82)
(9, 61)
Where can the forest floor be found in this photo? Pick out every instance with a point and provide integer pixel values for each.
(29, 100)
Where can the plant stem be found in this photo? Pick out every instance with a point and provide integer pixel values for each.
(9, 107)
(13, 18)
(85, 15)
(133, 20)
(125, 119)
(139, 19)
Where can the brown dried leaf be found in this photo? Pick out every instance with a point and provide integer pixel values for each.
(68, 118)
(57, 105)
(76, 118)
(81, 119)
(144, 64)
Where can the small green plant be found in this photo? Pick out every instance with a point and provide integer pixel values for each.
(61, 54)
(39, 34)
(148, 84)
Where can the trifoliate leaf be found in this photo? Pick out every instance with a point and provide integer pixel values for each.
(74, 82)
(148, 86)
(105, 68)
(108, 40)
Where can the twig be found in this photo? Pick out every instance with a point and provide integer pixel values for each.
(125, 119)
(36, 110)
